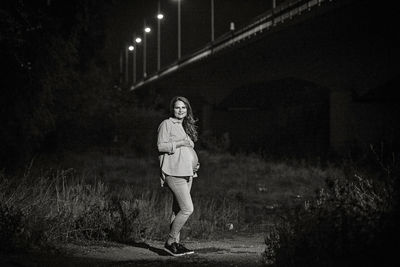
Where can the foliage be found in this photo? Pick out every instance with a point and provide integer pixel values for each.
(10, 227)
(352, 221)
(136, 127)
(58, 92)
(56, 88)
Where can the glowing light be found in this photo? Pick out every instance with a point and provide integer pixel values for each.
(138, 40)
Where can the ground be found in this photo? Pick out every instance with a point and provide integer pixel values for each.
(233, 250)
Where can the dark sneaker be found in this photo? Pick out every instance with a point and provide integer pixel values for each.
(184, 250)
(173, 249)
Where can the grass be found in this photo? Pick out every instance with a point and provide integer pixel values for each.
(102, 196)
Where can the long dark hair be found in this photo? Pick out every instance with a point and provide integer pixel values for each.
(189, 122)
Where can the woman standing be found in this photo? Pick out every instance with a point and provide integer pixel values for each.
(179, 164)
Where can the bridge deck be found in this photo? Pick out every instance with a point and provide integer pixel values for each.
(260, 24)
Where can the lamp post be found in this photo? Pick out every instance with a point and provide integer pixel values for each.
(179, 29)
(137, 40)
(126, 65)
(160, 16)
(146, 30)
(121, 65)
(212, 20)
(132, 49)
(134, 64)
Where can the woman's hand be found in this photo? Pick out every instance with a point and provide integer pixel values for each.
(195, 169)
(184, 142)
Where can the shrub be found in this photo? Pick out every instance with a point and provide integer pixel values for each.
(11, 227)
(350, 222)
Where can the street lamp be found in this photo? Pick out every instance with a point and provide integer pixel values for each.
(126, 65)
(136, 40)
(212, 20)
(179, 28)
(121, 65)
(160, 16)
(146, 30)
(129, 48)
(132, 48)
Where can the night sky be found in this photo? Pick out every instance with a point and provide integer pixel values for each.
(128, 18)
(111, 24)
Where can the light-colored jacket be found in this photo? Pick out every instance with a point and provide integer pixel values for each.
(175, 161)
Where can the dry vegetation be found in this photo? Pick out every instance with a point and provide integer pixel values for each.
(105, 196)
(311, 215)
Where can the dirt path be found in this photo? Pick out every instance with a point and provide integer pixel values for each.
(236, 250)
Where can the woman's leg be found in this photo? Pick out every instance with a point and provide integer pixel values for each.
(176, 208)
(182, 206)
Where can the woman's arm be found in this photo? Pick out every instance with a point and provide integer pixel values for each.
(183, 142)
(164, 144)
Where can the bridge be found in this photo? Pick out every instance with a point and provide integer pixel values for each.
(307, 77)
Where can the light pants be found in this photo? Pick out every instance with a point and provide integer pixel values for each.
(182, 205)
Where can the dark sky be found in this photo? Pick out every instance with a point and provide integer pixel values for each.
(128, 18)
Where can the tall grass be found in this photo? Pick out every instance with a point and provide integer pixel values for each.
(103, 196)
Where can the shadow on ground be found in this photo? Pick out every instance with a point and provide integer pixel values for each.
(144, 245)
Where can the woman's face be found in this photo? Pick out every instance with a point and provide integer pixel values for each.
(180, 110)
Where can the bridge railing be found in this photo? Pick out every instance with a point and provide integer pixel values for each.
(265, 21)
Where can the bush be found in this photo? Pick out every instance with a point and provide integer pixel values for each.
(11, 227)
(350, 222)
